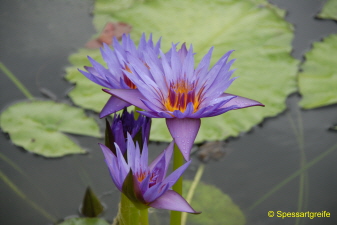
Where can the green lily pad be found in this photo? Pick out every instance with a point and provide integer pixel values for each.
(318, 80)
(217, 208)
(329, 10)
(84, 221)
(38, 127)
(255, 29)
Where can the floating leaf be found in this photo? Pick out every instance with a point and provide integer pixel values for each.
(91, 206)
(329, 10)
(85, 93)
(38, 127)
(255, 29)
(110, 30)
(84, 221)
(217, 208)
(318, 80)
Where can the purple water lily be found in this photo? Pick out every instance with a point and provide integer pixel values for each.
(146, 185)
(170, 87)
(139, 129)
(117, 61)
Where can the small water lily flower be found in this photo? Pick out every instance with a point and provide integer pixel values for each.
(146, 185)
(117, 61)
(170, 87)
(139, 129)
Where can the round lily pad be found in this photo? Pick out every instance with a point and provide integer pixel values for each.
(39, 127)
(329, 10)
(318, 79)
(217, 208)
(256, 31)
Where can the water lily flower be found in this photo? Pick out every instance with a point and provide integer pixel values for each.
(146, 185)
(124, 123)
(170, 87)
(117, 61)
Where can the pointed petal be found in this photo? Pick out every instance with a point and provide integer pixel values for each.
(118, 134)
(171, 200)
(168, 155)
(155, 192)
(240, 102)
(131, 151)
(113, 105)
(174, 176)
(132, 96)
(184, 131)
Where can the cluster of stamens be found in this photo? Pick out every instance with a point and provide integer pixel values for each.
(180, 94)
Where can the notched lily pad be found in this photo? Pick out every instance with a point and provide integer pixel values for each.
(85, 94)
(38, 126)
(217, 208)
(265, 68)
(255, 29)
(84, 221)
(329, 10)
(318, 79)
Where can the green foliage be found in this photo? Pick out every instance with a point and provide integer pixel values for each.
(255, 29)
(38, 126)
(329, 10)
(217, 208)
(318, 79)
(84, 221)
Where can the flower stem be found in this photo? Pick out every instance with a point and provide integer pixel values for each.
(178, 160)
(144, 217)
(137, 113)
(191, 191)
(18, 84)
(129, 214)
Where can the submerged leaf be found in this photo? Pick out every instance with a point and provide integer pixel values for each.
(91, 206)
(217, 208)
(84, 221)
(329, 10)
(38, 126)
(318, 80)
(255, 29)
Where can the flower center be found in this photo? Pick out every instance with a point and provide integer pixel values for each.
(141, 176)
(180, 94)
(153, 178)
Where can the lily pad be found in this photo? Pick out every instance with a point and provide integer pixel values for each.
(38, 126)
(255, 29)
(84, 221)
(329, 10)
(318, 79)
(217, 208)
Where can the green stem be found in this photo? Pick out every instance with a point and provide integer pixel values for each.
(144, 217)
(294, 175)
(24, 197)
(136, 114)
(129, 214)
(18, 84)
(178, 160)
(191, 191)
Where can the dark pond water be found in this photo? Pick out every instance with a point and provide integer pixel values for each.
(36, 39)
